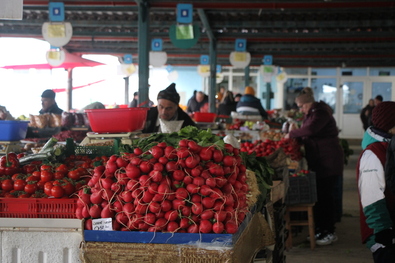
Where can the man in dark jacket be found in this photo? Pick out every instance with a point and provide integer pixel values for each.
(166, 110)
(250, 105)
(197, 102)
(48, 103)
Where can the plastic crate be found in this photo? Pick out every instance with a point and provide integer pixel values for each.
(117, 120)
(38, 207)
(204, 116)
(13, 130)
(302, 190)
(91, 151)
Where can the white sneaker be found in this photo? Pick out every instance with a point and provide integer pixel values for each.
(316, 236)
(326, 239)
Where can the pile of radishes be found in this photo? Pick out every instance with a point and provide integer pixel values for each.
(185, 189)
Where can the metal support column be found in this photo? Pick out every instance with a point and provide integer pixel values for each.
(247, 76)
(127, 100)
(143, 50)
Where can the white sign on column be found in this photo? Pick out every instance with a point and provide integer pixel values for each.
(11, 9)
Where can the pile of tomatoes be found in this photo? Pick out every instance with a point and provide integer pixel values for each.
(43, 180)
(267, 147)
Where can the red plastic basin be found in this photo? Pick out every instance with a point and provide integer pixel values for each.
(117, 120)
(204, 116)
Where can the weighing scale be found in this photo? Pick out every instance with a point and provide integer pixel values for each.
(10, 146)
(126, 138)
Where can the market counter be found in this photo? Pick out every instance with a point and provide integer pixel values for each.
(40, 240)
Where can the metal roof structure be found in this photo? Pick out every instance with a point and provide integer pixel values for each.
(316, 33)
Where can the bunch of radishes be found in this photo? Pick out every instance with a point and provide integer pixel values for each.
(185, 188)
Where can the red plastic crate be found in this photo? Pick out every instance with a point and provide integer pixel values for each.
(117, 120)
(38, 207)
(204, 116)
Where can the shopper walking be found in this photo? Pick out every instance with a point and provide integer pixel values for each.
(366, 114)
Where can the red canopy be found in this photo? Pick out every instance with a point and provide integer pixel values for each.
(71, 61)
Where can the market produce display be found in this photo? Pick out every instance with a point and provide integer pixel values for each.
(189, 181)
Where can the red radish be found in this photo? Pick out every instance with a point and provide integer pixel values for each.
(163, 189)
(158, 198)
(122, 218)
(199, 181)
(128, 208)
(193, 229)
(220, 216)
(171, 215)
(192, 161)
(178, 175)
(157, 152)
(153, 188)
(182, 193)
(229, 160)
(107, 194)
(150, 218)
(121, 178)
(111, 167)
(170, 152)
(145, 166)
(135, 161)
(106, 182)
(162, 145)
(143, 226)
(141, 209)
(186, 210)
(192, 188)
(171, 166)
(88, 224)
(147, 197)
(183, 143)
(182, 152)
(196, 171)
(137, 151)
(197, 208)
(132, 185)
(137, 193)
(178, 203)
(166, 205)
(154, 207)
(218, 156)
(211, 182)
(160, 223)
(132, 171)
(163, 160)
(205, 190)
(121, 162)
(221, 181)
(231, 227)
(78, 212)
(184, 222)
(206, 154)
(188, 179)
(208, 202)
(156, 176)
(217, 194)
(95, 211)
(229, 148)
(194, 147)
(85, 212)
(117, 206)
(196, 198)
(205, 226)
(96, 198)
(218, 227)
(207, 214)
(172, 226)
(106, 212)
(83, 199)
(227, 188)
(145, 180)
(159, 167)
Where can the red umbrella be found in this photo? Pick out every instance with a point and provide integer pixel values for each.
(71, 61)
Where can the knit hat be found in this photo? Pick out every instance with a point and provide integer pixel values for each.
(249, 90)
(383, 116)
(170, 93)
(48, 94)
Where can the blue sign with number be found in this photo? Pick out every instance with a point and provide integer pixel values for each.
(219, 68)
(184, 13)
(241, 45)
(156, 44)
(268, 60)
(127, 59)
(56, 11)
(204, 60)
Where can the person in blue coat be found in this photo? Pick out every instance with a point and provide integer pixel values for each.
(250, 105)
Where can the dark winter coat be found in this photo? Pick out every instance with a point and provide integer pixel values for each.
(194, 106)
(251, 105)
(366, 118)
(226, 107)
(53, 109)
(152, 117)
(319, 134)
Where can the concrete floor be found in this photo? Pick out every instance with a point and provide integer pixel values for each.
(348, 248)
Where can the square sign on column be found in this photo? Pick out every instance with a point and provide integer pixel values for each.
(184, 13)
(156, 44)
(56, 11)
(204, 60)
(241, 45)
(268, 60)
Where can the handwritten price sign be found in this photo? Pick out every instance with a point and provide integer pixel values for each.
(102, 224)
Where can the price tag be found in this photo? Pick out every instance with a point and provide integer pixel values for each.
(102, 224)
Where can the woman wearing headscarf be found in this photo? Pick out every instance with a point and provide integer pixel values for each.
(324, 155)
(227, 105)
(166, 110)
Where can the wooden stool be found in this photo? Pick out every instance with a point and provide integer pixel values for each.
(309, 222)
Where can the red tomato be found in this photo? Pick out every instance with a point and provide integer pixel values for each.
(7, 185)
(62, 168)
(46, 175)
(74, 175)
(47, 188)
(46, 167)
(31, 188)
(68, 189)
(57, 191)
(19, 184)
